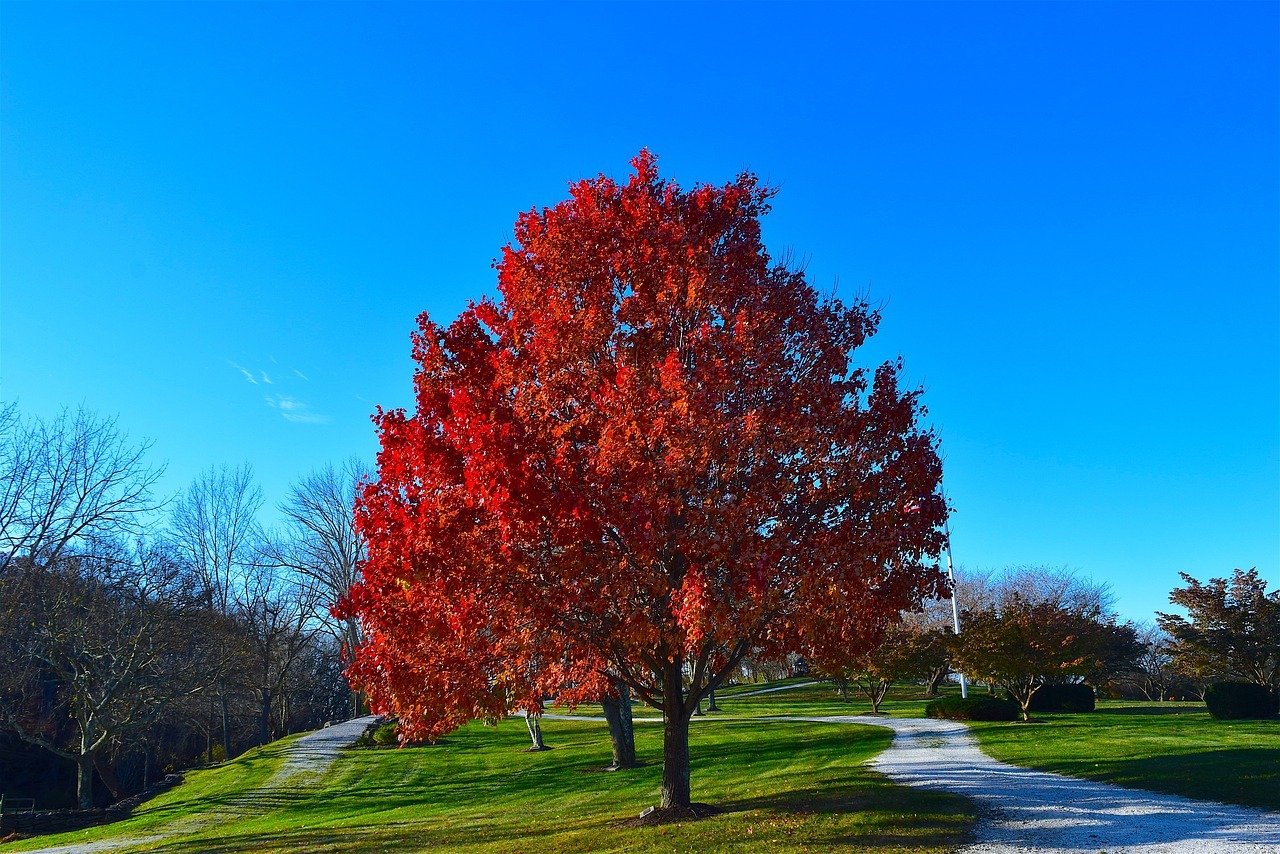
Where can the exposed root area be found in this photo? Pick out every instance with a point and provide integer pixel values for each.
(670, 815)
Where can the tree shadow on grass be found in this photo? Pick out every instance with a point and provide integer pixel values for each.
(1141, 711)
(1243, 775)
(937, 819)
(384, 837)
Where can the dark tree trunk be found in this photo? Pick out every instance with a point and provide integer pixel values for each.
(84, 781)
(264, 719)
(936, 677)
(675, 739)
(226, 727)
(711, 701)
(876, 697)
(357, 703)
(621, 729)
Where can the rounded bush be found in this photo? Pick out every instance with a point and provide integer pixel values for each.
(379, 734)
(1063, 698)
(972, 709)
(1236, 700)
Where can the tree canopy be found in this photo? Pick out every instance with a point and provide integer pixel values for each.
(1232, 628)
(651, 456)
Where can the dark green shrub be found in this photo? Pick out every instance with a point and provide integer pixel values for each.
(1063, 698)
(1235, 700)
(972, 709)
(378, 734)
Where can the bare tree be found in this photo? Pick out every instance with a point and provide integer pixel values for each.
(277, 616)
(322, 547)
(1057, 586)
(65, 481)
(215, 524)
(1154, 672)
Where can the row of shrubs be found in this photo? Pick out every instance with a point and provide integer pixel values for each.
(985, 708)
(1049, 698)
(1225, 701)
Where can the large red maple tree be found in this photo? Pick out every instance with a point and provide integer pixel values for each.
(651, 456)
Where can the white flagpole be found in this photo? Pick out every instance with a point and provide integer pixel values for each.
(955, 605)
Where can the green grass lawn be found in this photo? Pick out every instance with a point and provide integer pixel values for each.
(1164, 747)
(819, 699)
(783, 786)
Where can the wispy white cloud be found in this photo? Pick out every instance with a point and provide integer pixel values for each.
(307, 418)
(292, 409)
(296, 411)
(248, 375)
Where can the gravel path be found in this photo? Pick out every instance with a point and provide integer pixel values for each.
(1024, 810)
(307, 757)
(312, 754)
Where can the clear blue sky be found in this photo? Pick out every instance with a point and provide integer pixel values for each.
(1072, 213)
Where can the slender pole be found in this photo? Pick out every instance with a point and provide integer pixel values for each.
(955, 605)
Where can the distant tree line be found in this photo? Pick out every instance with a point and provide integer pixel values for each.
(1031, 626)
(138, 635)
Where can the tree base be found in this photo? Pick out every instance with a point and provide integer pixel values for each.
(655, 816)
(537, 749)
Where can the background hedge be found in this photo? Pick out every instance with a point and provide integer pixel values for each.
(1236, 700)
(973, 709)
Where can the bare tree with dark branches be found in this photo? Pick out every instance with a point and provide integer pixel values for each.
(322, 547)
(215, 524)
(279, 629)
(66, 481)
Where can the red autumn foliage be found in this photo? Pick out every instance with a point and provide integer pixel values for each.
(651, 456)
